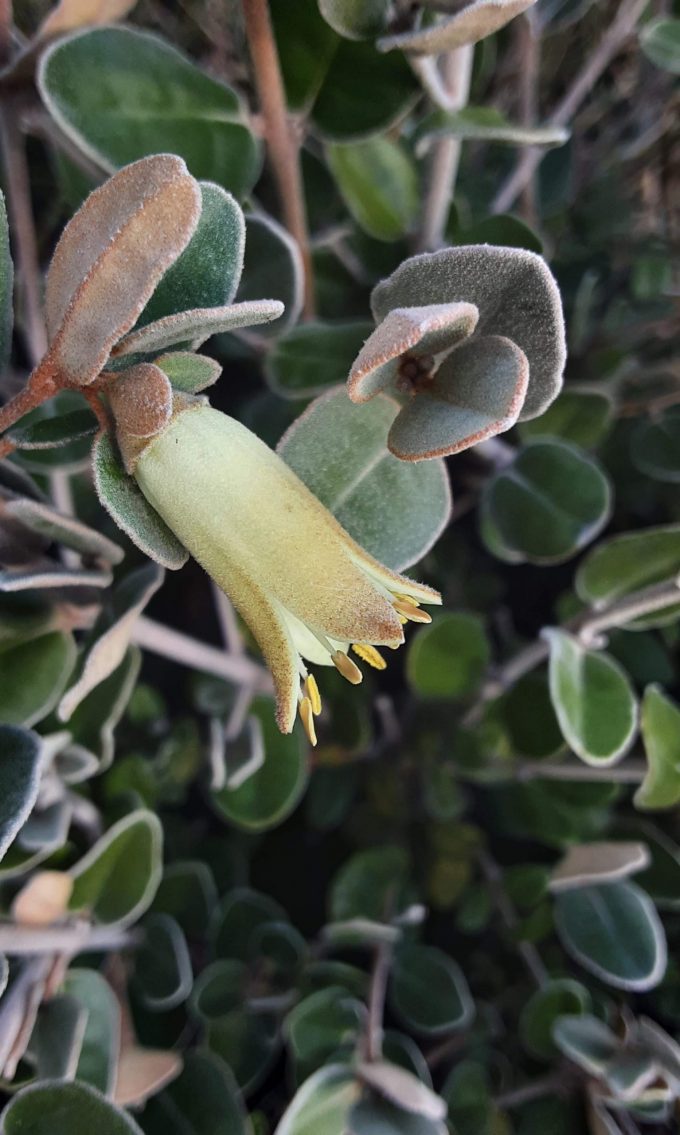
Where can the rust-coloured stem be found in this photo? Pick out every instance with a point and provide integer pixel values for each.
(40, 386)
(282, 146)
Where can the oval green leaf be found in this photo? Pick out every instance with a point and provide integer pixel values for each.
(117, 879)
(57, 1108)
(660, 725)
(121, 94)
(379, 183)
(448, 658)
(594, 701)
(613, 931)
(550, 502)
(308, 359)
(428, 991)
(272, 792)
(20, 760)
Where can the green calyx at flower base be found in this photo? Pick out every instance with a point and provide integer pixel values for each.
(305, 588)
(228, 499)
(469, 341)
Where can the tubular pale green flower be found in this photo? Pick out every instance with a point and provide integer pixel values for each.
(305, 588)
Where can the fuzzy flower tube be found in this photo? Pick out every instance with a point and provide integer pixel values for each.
(306, 589)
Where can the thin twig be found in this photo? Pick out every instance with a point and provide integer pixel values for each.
(527, 951)
(282, 146)
(197, 655)
(17, 940)
(529, 53)
(445, 157)
(22, 228)
(588, 626)
(633, 772)
(611, 43)
(376, 1000)
(555, 1084)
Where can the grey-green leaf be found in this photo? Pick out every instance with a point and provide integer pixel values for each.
(121, 497)
(474, 22)
(197, 325)
(613, 931)
(188, 371)
(492, 278)
(208, 271)
(395, 510)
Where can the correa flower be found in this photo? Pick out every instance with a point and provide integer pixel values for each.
(469, 341)
(306, 589)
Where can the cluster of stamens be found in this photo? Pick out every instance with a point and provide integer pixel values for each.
(407, 609)
(415, 373)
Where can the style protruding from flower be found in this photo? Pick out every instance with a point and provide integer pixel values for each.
(469, 341)
(308, 592)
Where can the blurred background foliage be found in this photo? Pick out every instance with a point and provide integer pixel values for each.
(459, 912)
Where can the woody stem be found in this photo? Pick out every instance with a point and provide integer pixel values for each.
(40, 386)
(282, 147)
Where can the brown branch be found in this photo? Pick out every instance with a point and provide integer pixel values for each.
(282, 147)
(40, 386)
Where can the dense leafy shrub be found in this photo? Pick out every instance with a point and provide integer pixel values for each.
(287, 293)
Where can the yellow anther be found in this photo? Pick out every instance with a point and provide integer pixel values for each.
(312, 692)
(409, 611)
(307, 719)
(408, 599)
(347, 668)
(402, 619)
(370, 654)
